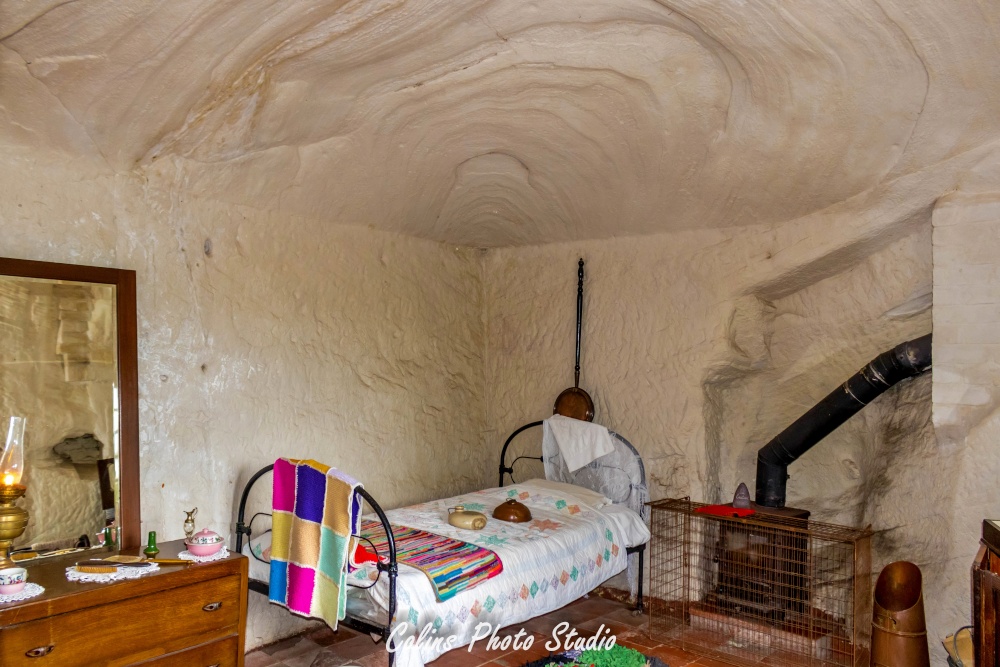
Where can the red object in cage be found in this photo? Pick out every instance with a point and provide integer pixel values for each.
(726, 510)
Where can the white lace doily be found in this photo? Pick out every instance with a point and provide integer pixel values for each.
(218, 555)
(30, 590)
(105, 577)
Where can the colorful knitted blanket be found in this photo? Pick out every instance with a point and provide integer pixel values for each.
(451, 565)
(316, 509)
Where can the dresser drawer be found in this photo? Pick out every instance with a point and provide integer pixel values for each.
(223, 653)
(127, 631)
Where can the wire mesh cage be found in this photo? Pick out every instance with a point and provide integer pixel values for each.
(772, 588)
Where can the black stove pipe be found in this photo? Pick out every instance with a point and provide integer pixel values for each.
(902, 362)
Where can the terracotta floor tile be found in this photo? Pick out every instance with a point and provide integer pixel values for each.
(625, 617)
(325, 648)
(325, 636)
(457, 658)
(640, 639)
(320, 659)
(352, 649)
(605, 627)
(380, 659)
(260, 659)
(290, 646)
(711, 662)
(786, 659)
(542, 624)
(674, 657)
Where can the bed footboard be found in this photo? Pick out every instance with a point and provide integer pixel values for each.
(390, 568)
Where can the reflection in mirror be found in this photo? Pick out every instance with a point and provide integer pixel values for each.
(59, 370)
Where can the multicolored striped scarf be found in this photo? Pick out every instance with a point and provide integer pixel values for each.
(451, 565)
(315, 510)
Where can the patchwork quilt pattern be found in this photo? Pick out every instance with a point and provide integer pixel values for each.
(315, 510)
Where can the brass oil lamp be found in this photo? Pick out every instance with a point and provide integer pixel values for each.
(13, 519)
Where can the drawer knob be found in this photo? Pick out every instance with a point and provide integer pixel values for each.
(40, 652)
(212, 606)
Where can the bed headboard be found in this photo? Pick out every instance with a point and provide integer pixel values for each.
(620, 475)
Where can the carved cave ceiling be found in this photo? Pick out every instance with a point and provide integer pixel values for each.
(506, 123)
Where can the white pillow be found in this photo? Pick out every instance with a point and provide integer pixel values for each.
(260, 547)
(581, 493)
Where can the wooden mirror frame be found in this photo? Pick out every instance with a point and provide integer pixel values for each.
(128, 374)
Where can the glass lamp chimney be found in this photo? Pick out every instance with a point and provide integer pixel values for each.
(12, 459)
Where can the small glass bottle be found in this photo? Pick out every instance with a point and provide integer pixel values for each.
(109, 536)
(151, 549)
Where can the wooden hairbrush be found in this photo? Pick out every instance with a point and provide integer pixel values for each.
(104, 566)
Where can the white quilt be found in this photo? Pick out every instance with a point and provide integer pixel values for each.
(568, 549)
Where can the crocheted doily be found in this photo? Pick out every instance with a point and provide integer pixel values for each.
(218, 555)
(105, 577)
(30, 590)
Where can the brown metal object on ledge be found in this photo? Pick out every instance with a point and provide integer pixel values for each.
(899, 630)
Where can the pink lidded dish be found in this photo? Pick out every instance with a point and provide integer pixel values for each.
(12, 580)
(204, 543)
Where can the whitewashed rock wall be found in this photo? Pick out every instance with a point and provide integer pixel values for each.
(700, 346)
(257, 341)
(361, 349)
(697, 375)
(967, 369)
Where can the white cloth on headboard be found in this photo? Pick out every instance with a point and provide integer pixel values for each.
(578, 441)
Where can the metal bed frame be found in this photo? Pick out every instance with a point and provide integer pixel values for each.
(391, 566)
(509, 471)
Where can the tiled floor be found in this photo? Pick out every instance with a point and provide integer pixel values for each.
(324, 648)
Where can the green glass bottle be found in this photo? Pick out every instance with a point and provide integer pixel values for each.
(151, 550)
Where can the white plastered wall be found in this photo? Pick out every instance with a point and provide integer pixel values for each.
(697, 345)
(700, 346)
(966, 394)
(263, 335)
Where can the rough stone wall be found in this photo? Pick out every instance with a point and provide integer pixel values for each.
(966, 391)
(696, 374)
(700, 346)
(361, 349)
(256, 344)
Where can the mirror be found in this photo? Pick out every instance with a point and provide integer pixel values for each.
(68, 364)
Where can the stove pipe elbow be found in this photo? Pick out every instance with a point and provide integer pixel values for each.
(901, 362)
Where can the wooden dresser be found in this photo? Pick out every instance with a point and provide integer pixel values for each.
(986, 597)
(192, 615)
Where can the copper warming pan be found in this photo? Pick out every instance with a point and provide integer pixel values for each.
(575, 402)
